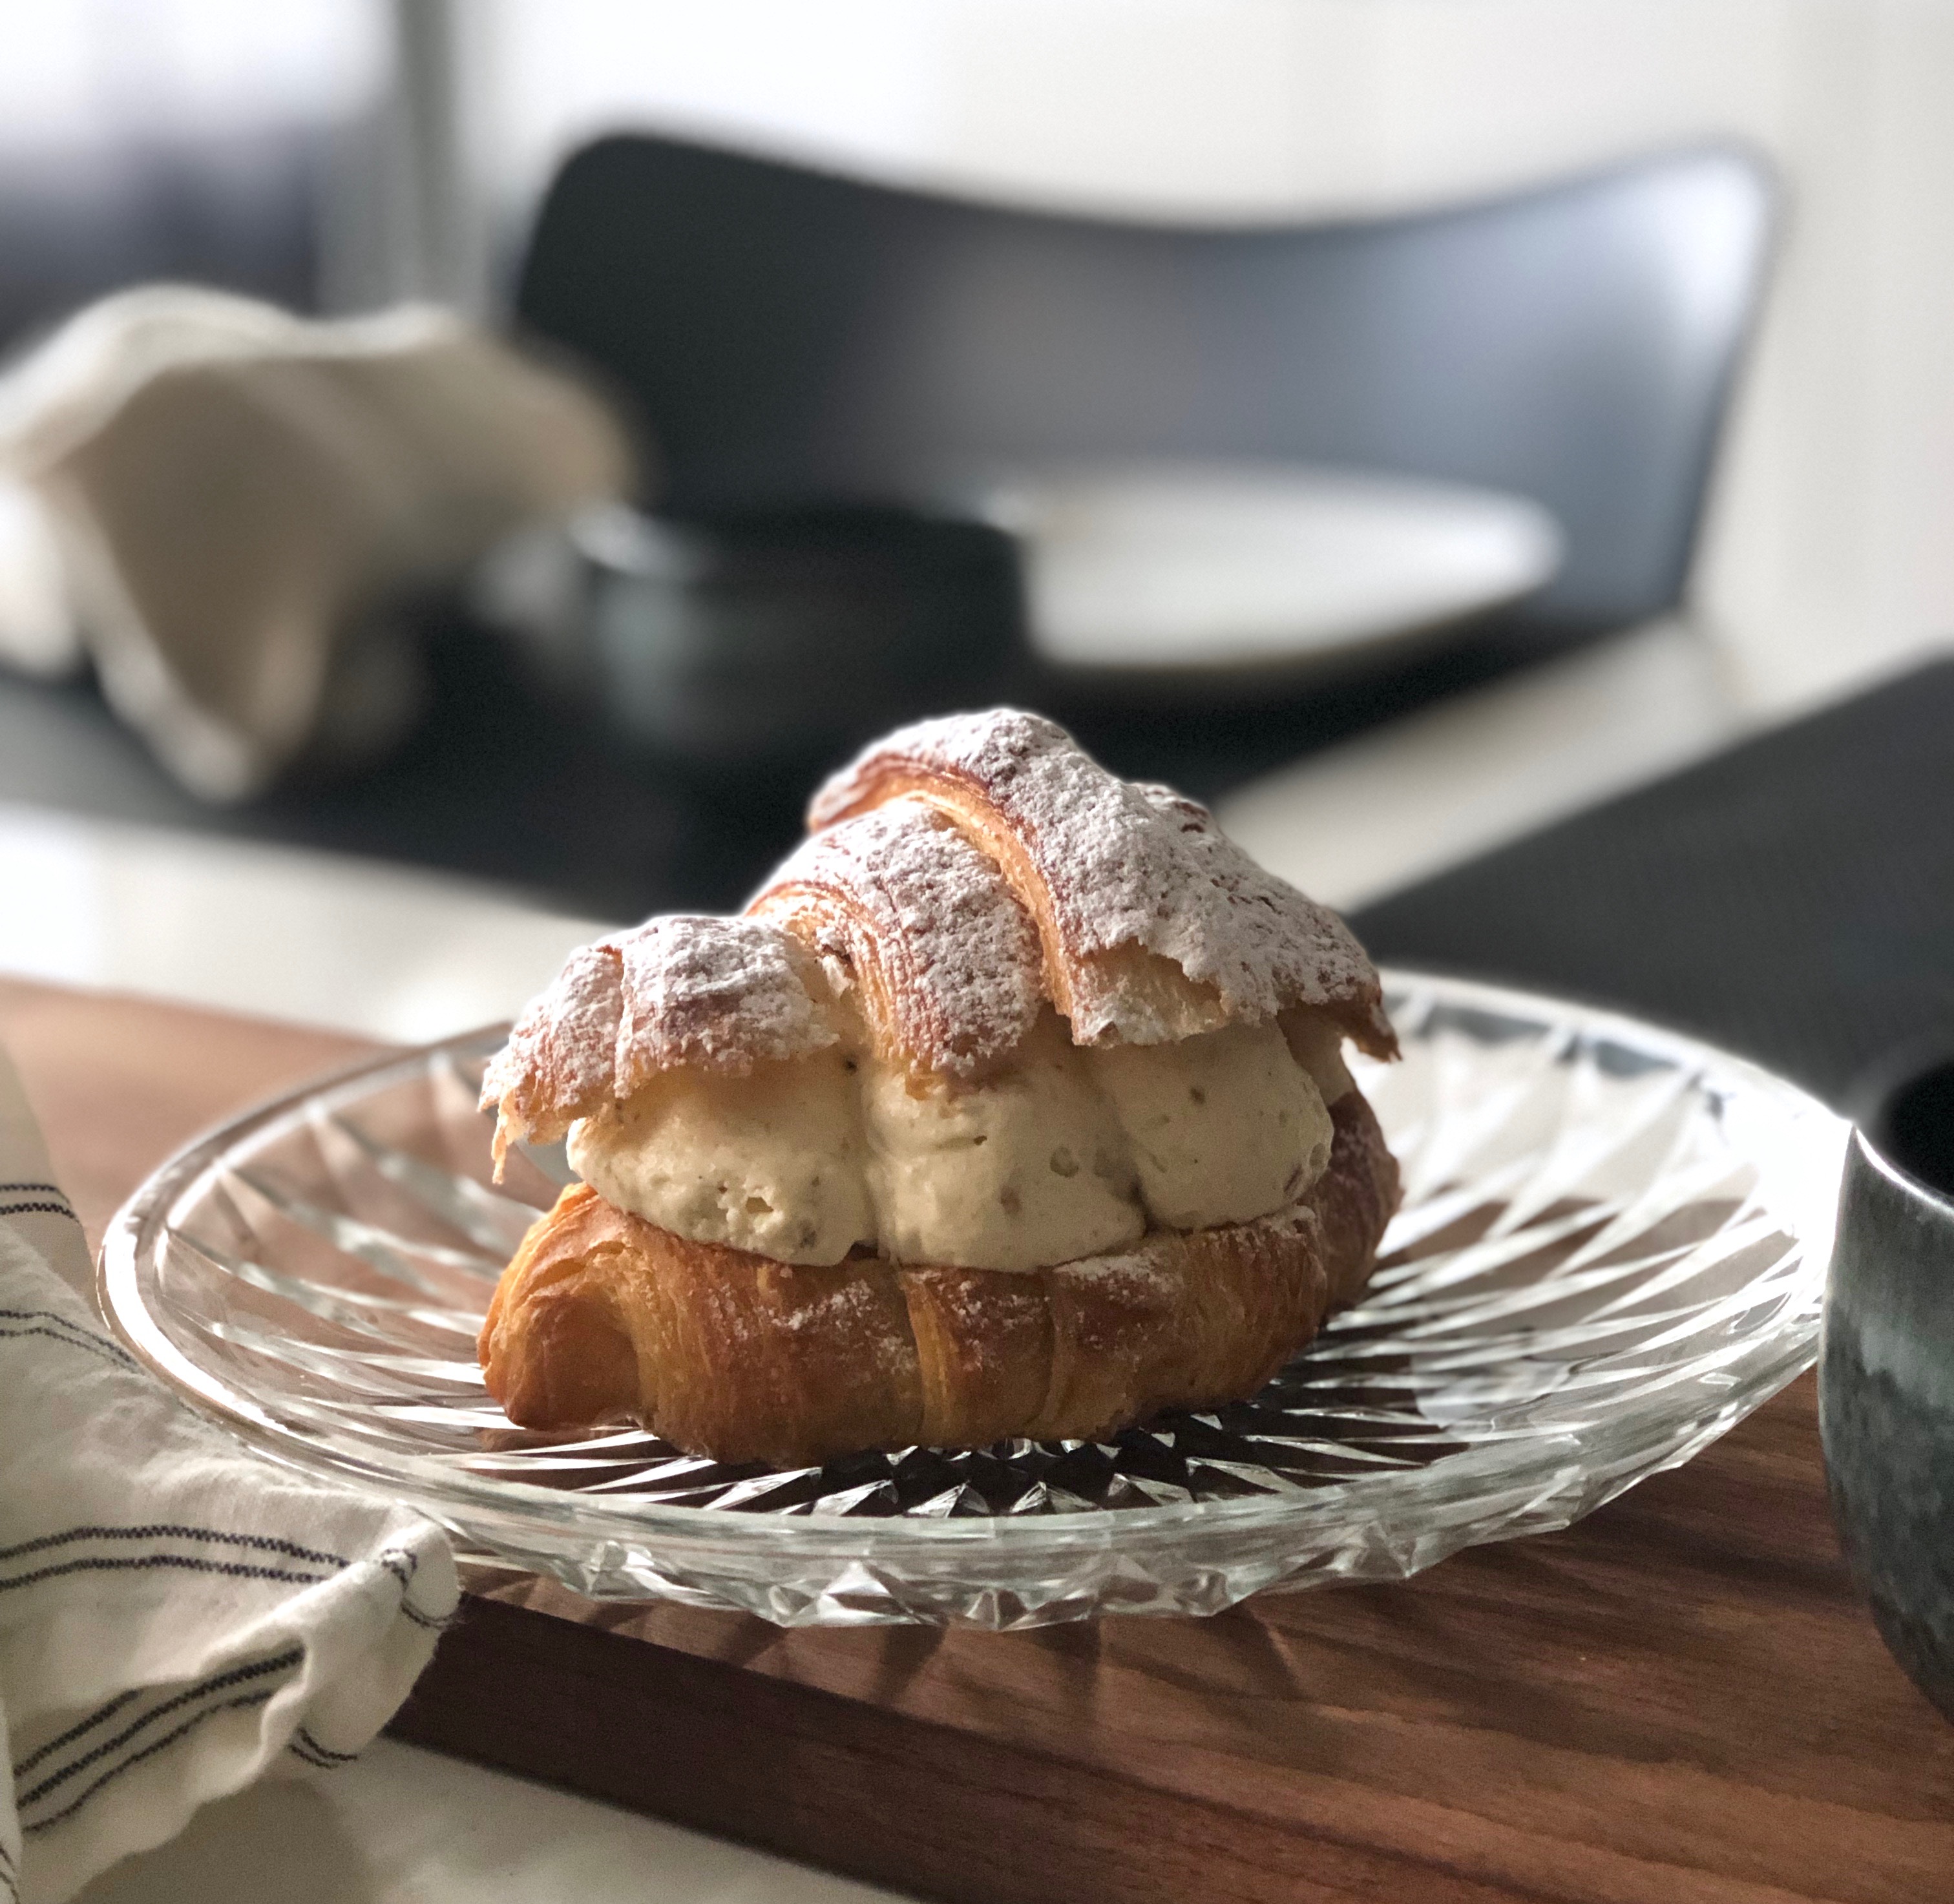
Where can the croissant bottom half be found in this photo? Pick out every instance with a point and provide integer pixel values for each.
(603, 1316)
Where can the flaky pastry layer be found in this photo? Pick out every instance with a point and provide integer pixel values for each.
(1154, 925)
(921, 925)
(603, 1316)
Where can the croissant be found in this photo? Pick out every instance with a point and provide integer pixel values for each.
(1013, 1106)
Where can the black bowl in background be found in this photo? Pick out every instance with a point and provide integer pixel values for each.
(789, 635)
(1887, 1372)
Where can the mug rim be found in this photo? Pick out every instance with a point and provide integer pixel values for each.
(1941, 1200)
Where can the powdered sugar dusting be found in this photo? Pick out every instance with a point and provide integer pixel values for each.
(1162, 1253)
(562, 1053)
(950, 960)
(1127, 864)
(851, 1302)
(722, 993)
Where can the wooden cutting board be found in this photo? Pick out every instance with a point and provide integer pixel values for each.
(1679, 1699)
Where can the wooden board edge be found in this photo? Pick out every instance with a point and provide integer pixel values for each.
(854, 1789)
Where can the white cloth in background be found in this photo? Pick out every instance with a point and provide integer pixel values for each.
(176, 1615)
(224, 506)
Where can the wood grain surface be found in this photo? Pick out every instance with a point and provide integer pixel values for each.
(119, 1083)
(1678, 1699)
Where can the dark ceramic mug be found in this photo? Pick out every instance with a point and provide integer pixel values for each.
(1886, 1373)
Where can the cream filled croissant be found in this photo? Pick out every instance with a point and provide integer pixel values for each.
(1014, 1105)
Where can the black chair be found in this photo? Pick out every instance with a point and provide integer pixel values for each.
(794, 337)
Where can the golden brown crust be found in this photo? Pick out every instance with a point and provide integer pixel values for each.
(604, 1316)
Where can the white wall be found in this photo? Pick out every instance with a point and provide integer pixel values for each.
(1830, 553)
(75, 73)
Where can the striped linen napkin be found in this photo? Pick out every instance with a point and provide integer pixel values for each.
(177, 1617)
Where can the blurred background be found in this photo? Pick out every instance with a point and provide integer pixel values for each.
(1401, 422)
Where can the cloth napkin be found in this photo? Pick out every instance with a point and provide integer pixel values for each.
(227, 508)
(177, 1617)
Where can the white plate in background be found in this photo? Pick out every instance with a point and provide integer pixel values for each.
(1170, 567)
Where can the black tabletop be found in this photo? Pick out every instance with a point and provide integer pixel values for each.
(1791, 900)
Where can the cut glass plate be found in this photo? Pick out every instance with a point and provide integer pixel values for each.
(1612, 1247)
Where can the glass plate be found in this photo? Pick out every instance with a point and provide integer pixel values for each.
(1612, 1247)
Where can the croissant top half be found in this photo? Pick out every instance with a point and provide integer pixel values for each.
(959, 873)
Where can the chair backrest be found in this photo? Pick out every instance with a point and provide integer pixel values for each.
(788, 335)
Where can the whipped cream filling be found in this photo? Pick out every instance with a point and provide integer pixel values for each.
(773, 1162)
(1069, 1152)
(1223, 1127)
(1028, 1169)
(1315, 1040)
